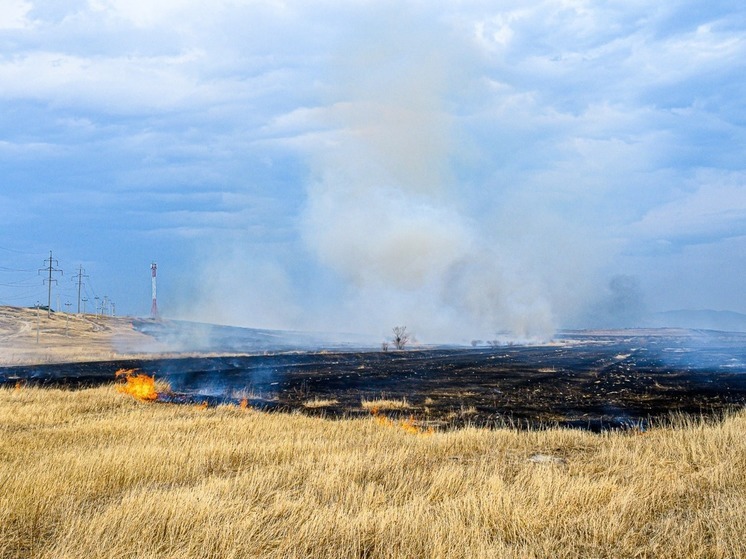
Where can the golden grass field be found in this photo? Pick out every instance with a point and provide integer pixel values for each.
(96, 474)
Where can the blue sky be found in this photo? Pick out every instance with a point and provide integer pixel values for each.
(464, 168)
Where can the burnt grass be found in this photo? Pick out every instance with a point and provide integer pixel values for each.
(592, 383)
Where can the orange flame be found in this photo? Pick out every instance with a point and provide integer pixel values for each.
(18, 386)
(202, 406)
(408, 425)
(244, 405)
(139, 386)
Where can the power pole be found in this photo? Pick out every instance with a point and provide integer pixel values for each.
(96, 298)
(49, 267)
(38, 326)
(67, 316)
(154, 305)
(80, 275)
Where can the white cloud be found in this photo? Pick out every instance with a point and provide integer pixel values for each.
(14, 14)
(122, 84)
(714, 211)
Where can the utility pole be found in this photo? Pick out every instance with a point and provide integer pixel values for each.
(67, 316)
(49, 267)
(105, 306)
(113, 309)
(80, 275)
(96, 298)
(37, 322)
(154, 306)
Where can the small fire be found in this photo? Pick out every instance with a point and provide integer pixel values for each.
(202, 406)
(244, 405)
(408, 425)
(18, 386)
(137, 385)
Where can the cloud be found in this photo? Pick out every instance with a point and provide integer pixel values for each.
(114, 85)
(14, 14)
(715, 210)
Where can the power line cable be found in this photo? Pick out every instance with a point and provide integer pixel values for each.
(16, 251)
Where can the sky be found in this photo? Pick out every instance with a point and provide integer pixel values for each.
(469, 169)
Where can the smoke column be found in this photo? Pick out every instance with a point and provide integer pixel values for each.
(386, 213)
(389, 232)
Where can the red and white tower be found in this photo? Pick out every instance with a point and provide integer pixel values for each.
(154, 306)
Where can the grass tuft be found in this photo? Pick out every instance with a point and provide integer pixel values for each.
(382, 404)
(320, 403)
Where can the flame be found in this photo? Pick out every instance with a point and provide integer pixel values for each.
(137, 385)
(18, 386)
(244, 405)
(202, 406)
(384, 421)
(408, 425)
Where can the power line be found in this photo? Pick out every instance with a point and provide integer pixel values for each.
(80, 275)
(14, 250)
(50, 264)
(6, 269)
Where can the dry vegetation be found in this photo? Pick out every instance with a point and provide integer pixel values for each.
(383, 404)
(96, 474)
(31, 337)
(320, 403)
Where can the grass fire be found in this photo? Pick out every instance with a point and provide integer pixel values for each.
(139, 386)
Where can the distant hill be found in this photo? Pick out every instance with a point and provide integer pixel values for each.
(706, 319)
(32, 336)
(181, 335)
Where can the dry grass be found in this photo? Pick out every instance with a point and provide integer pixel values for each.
(28, 337)
(382, 404)
(69, 338)
(95, 474)
(320, 403)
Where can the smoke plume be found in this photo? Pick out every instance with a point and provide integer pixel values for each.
(387, 214)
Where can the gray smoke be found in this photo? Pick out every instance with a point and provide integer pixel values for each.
(386, 213)
(392, 235)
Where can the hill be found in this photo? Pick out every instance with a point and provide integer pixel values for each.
(28, 336)
(727, 321)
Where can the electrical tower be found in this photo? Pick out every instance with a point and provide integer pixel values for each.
(154, 306)
(80, 275)
(49, 266)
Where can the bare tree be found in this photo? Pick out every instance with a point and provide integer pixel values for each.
(401, 337)
(385, 346)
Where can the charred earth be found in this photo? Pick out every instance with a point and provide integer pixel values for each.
(596, 380)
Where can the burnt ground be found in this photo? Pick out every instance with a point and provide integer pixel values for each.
(593, 382)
